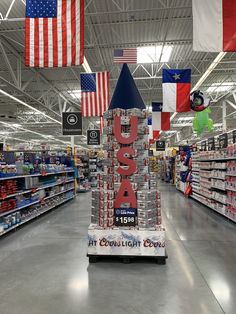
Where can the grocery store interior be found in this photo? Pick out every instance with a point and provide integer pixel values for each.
(117, 158)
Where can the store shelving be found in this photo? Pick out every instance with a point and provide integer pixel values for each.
(82, 176)
(35, 216)
(36, 189)
(50, 196)
(218, 190)
(22, 201)
(35, 175)
(18, 208)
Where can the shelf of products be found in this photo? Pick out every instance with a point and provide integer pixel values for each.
(82, 177)
(154, 164)
(25, 186)
(95, 167)
(217, 180)
(14, 221)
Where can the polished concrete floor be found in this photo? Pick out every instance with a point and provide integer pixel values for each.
(44, 269)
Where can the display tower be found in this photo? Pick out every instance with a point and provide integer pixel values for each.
(126, 207)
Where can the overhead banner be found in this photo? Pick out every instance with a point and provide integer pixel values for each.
(223, 140)
(211, 143)
(72, 123)
(204, 146)
(126, 242)
(93, 137)
(160, 145)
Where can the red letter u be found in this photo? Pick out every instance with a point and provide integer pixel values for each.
(133, 130)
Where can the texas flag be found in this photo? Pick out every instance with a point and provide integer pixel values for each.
(160, 120)
(176, 90)
(153, 134)
(214, 25)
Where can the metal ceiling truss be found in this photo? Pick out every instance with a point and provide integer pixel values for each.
(44, 103)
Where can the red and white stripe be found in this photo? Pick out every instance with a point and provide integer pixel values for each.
(160, 121)
(56, 42)
(176, 97)
(94, 104)
(129, 56)
(214, 24)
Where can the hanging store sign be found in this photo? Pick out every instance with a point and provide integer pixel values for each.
(160, 145)
(71, 123)
(150, 152)
(211, 143)
(223, 140)
(234, 136)
(204, 146)
(93, 137)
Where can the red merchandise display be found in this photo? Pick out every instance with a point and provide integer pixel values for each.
(127, 203)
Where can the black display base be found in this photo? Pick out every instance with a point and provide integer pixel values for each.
(126, 259)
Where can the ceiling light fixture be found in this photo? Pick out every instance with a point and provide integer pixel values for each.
(220, 87)
(26, 105)
(185, 118)
(153, 54)
(86, 66)
(75, 94)
(40, 134)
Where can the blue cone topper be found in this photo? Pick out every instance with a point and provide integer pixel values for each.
(126, 94)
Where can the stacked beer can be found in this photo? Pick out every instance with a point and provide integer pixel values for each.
(144, 183)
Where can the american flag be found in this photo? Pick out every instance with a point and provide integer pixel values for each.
(54, 33)
(95, 93)
(127, 55)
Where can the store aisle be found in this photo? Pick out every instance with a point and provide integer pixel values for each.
(44, 269)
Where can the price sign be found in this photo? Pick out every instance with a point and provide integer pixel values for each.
(211, 143)
(204, 146)
(223, 140)
(125, 216)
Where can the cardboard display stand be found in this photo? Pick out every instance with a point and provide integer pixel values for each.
(126, 207)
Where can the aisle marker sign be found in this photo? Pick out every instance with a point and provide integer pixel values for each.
(72, 123)
(204, 146)
(223, 140)
(93, 137)
(160, 145)
(211, 143)
(234, 136)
